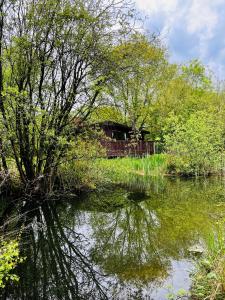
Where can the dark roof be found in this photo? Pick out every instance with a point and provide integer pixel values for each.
(118, 125)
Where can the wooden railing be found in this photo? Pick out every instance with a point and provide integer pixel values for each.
(120, 148)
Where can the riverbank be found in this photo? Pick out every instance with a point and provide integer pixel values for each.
(96, 173)
(208, 281)
(123, 169)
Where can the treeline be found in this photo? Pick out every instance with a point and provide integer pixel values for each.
(182, 106)
(63, 62)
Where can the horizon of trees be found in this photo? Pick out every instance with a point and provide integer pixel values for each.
(63, 61)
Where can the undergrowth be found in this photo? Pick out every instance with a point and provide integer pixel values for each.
(209, 279)
(121, 170)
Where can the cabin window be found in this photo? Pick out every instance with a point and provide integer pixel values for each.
(118, 135)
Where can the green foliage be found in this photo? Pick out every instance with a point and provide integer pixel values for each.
(196, 75)
(183, 92)
(127, 169)
(92, 170)
(180, 294)
(9, 259)
(141, 63)
(104, 113)
(53, 70)
(209, 278)
(196, 145)
(78, 170)
(69, 62)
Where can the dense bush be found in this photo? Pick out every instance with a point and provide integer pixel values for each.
(196, 145)
(78, 170)
(9, 258)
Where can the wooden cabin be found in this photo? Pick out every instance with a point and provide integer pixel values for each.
(118, 141)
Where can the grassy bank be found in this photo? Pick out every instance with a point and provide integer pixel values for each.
(121, 170)
(99, 172)
(209, 279)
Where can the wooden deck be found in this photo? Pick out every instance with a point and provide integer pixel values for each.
(121, 148)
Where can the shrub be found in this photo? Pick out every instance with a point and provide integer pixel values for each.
(196, 145)
(78, 170)
(9, 258)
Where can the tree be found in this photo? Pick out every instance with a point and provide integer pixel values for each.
(188, 89)
(136, 87)
(107, 112)
(54, 63)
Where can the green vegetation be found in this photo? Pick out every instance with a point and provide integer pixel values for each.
(89, 171)
(9, 259)
(196, 145)
(124, 170)
(68, 65)
(78, 171)
(55, 64)
(209, 279)
(57, 72)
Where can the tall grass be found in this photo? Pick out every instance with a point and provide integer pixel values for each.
(92, 173)
(124, 169)
(209, 279)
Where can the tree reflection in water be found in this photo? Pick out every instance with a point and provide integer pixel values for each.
(57, 264)
(140, 242)
(114, 244)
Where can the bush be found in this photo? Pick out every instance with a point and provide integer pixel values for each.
(9, 258)
(196, 145)
(78, 170)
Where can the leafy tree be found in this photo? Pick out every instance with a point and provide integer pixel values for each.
(195, 74)
(54, 63)
(188, 89)
(136, 87)
(107, 112)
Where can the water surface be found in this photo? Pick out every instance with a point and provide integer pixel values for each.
(121, 243)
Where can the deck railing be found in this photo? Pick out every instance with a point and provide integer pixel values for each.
(122, 148)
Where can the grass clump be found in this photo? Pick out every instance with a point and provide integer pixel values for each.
(209, 279)
(120, 170)
(90, 171)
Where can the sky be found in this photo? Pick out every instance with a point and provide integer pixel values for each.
(190, 29)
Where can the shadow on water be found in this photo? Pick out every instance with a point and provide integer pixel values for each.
(120, 244)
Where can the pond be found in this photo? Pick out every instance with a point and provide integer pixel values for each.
(127, 242)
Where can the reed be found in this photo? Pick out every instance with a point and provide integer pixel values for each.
(124, 169)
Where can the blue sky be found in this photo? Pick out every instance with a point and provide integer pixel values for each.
(190, 29)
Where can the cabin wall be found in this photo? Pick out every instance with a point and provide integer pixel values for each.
(118, 142)
(125, 148)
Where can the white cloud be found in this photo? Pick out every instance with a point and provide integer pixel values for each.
(198, 14)
(155, 6)
(202, 16)
(199, 20)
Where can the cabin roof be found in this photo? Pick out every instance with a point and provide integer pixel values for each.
(115, 125)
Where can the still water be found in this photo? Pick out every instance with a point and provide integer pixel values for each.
(128, 242)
